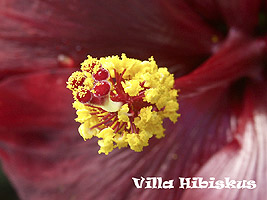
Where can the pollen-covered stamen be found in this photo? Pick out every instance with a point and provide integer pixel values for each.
(89, 68)
(91, 65)
(84, 95)
(124, 101)
(75, 80)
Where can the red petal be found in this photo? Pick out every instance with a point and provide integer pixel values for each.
(240, 14)
(40, 147)
(208, 8)
(191, 37)
(245, 157)
(35, 33)
(237, 57)
(28, 45)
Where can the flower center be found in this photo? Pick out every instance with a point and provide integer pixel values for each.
(122, 101)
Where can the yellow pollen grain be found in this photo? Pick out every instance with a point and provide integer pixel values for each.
(174, 156)
(214, 39)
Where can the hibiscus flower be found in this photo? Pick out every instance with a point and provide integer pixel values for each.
(217, 52)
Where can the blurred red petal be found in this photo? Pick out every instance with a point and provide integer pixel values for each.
(41, 150)
(238, 57)
(31, 106)
(245, 157)
(207, 8)
(240, 14)
(192, 38)
(34, 33)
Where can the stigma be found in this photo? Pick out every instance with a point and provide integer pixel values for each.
(122, 101)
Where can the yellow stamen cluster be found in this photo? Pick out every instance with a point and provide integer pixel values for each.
(90, 65)
(141, 95)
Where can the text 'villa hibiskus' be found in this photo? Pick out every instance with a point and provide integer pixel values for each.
(192, 183)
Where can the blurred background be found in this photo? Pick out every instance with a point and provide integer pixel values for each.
(6, 190)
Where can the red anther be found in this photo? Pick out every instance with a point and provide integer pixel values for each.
(101, 88)
(101, 74)
(84, 96)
